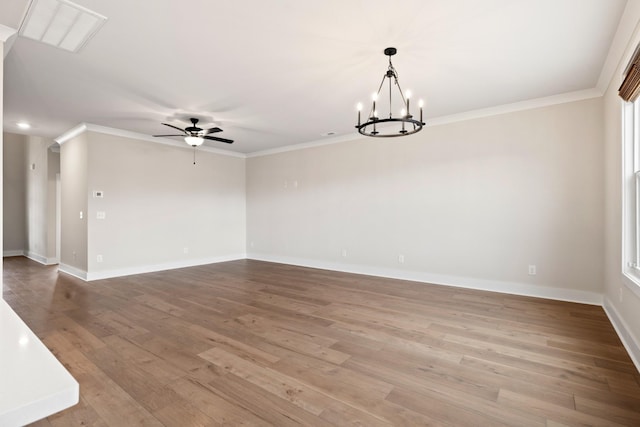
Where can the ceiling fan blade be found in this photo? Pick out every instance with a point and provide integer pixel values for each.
(213, 130)
(215, 138)
(182, 136)
(175, 127)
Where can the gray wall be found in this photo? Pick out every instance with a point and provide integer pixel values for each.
(29, 219)
(161, 211)
(14, 196)
(53, 170)
(40, 197)
(472, 203)
(74, 178)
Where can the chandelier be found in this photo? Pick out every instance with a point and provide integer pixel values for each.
(402, 125)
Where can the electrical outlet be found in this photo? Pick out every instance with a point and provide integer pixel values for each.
(532, 270)
(401, 259)
(101, 215)
(185, 250)
(99, 258)
(344, 253)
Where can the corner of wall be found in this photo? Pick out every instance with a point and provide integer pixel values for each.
(624, 332)
(67, 269)
(547, 292)
(2, 49)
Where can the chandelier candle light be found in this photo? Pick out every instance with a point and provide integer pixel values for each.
(409, 125)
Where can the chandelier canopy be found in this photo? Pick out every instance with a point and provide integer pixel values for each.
(402, 125)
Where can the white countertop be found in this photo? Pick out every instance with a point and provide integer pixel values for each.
(33, 383)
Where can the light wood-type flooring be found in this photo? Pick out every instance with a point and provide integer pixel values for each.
(255, 343)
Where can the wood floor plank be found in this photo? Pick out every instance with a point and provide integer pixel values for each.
(606, 411)
(112, 403)
(172, 353)
(441, 378)
(234, 346)
(389, 339)
(268, 406)
(458, 413)
(77, 335)
(283, 386)
(256, 343)
(135, 379)
(180, 413)
(82, 415)
(215, 407)
(538, 365)
(302, 343)
(554, 412)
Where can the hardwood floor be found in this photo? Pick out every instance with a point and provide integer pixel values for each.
(254, 343)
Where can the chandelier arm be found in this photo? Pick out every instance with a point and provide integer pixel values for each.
(381, 83)
(373, 109)
(390, 99)
(404, 101)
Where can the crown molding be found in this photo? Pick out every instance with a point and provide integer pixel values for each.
(88, 127)
(530, 104)
(6, 33)
(437, 121)
(624, 40)
(71, 133)
(302, 146)
(8, 36)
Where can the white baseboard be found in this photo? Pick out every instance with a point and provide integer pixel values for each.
(628, 340)
(41, 259)
(80, 274)
(13, 253)
(107, 274)
(570, 295)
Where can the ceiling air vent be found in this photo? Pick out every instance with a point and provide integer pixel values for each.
(60, 23)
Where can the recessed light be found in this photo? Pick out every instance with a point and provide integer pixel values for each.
(24, 125)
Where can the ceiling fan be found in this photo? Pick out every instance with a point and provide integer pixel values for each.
(195, 136)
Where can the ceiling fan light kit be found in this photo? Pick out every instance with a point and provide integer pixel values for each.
(194, 135)
(194, 141)
(406, 124)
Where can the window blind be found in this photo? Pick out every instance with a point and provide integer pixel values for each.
(630, 88)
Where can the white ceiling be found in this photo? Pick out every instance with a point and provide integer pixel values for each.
(273, 73)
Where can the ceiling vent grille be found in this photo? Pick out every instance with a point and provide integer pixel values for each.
(60, 23)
